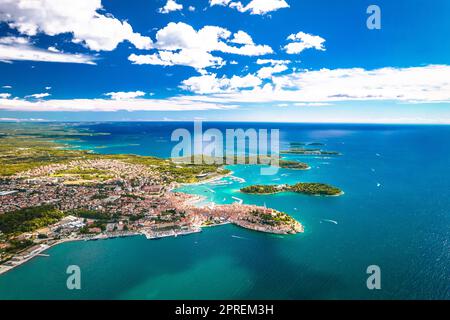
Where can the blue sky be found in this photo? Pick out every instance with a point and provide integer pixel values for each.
(253, 60)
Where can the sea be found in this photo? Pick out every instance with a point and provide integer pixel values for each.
(395, 214)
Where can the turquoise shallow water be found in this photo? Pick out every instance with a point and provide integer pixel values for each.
(395, 214)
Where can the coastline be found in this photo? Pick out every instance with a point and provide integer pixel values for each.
(232, 214)
(193, 199)
(36, 253)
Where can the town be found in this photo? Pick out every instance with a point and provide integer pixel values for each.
(102, 198)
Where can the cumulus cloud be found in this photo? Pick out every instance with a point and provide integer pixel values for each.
(5, 95)
(210, 83)
(82, 18)
(267, 72)
(242, 37)
(259, 7)
(171, 5)
(275, 67)
(180, 44)
(415, 84)
(302, 41)
(194, 58)
(20, 49)
(125, 95)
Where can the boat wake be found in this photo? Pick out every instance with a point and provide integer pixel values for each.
(329, 221)
(237, 179)
(238, 200)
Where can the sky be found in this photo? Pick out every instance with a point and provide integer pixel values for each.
(225, 60)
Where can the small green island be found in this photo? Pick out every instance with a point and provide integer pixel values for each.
(296, 165)
(308, 188)
(303, 148)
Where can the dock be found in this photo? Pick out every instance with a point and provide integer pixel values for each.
(154, 234)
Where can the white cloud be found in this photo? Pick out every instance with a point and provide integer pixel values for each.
(48, 88)
(427, 84)
(219, 2)
(38, 95)
(272, 61)
(173, 104)
(81, 18)
(6, 87)
(181, 44)
(242, 37)
(191, 8)
(52, 49)
(14, 40)
(197, 59)
(275, 66)
(19, 49)
(412, 85)
(259, 7)
(20, 119)
(171, 5)
(302, 41)
(5, 95)
(125, 95)
(267, 72)
(210, 83)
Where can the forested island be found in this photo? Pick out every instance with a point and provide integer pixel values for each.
(303, 148)
(308, 188)
(256, 160)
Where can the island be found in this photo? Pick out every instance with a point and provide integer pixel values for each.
(51, 193)
(308, 188)
(308, 151)
(299, 144)
(282, 163)
(296, 165)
